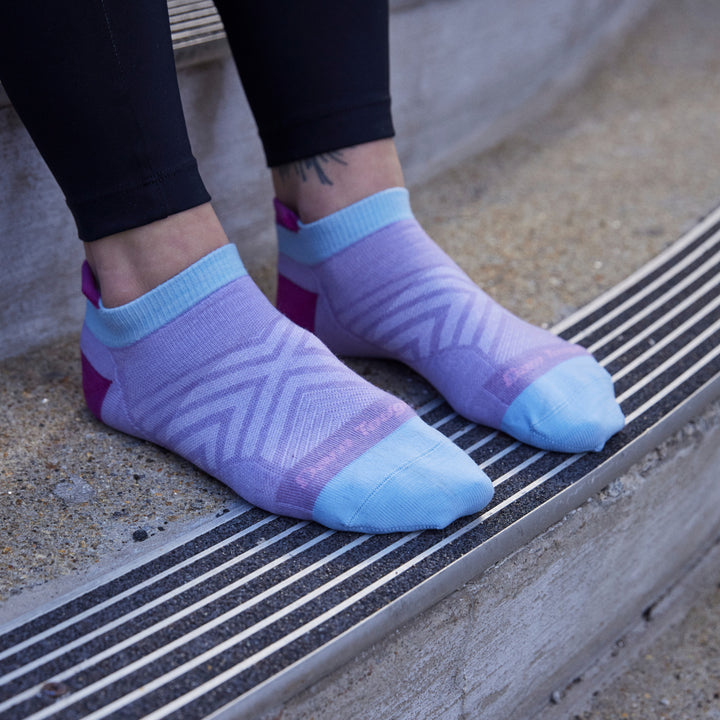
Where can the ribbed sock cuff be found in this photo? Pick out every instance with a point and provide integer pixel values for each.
(126, 324)
(319, 240)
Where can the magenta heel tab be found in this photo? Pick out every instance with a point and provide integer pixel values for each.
(285, 217)
(90, 288)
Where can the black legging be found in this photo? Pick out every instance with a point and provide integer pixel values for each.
(94, 83)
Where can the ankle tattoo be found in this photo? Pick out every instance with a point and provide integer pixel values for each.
(314, 167)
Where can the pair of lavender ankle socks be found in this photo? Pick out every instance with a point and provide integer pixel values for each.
(204, 366)
(368, 281)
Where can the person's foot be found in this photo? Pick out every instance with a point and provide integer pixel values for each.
(368, 281)
(204, 366)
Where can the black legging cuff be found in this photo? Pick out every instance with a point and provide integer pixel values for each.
(325, 134)
(315, 72)
(158, 197)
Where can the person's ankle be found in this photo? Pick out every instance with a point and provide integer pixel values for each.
(316, 187)
(131, 263)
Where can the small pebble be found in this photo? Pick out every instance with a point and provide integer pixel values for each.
(140, 535)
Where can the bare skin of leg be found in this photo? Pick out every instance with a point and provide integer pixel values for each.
(131, 263)
(321, 185)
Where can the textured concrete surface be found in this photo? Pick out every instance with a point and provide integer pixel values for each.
(544, 222)
(677, 677)
(665, 667)
(566, 208)
(485, 68)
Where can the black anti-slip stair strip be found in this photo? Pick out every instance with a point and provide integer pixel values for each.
(672, 287)
(665, 313)
(228, 616)
(151, 572)
(185, 606)
(153, 578)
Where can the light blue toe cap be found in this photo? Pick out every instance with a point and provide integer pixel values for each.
(571, 408)
(413, 479)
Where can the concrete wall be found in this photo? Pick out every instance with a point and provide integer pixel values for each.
(465, 73)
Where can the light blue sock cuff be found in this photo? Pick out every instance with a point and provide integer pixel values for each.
(319, 240)
(121, 326)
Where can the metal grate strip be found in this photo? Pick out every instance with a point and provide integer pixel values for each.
(228, 618)
(194, 22)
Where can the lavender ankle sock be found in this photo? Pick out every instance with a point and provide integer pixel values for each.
(368, 281)
(204, 366)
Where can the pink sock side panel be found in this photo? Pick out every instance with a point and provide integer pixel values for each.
(296, 303)
(95, 387)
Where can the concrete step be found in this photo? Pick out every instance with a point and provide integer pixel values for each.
(234, 619)
(586, 190)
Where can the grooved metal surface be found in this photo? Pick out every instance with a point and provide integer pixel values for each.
(194, 22)
(241, 615)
